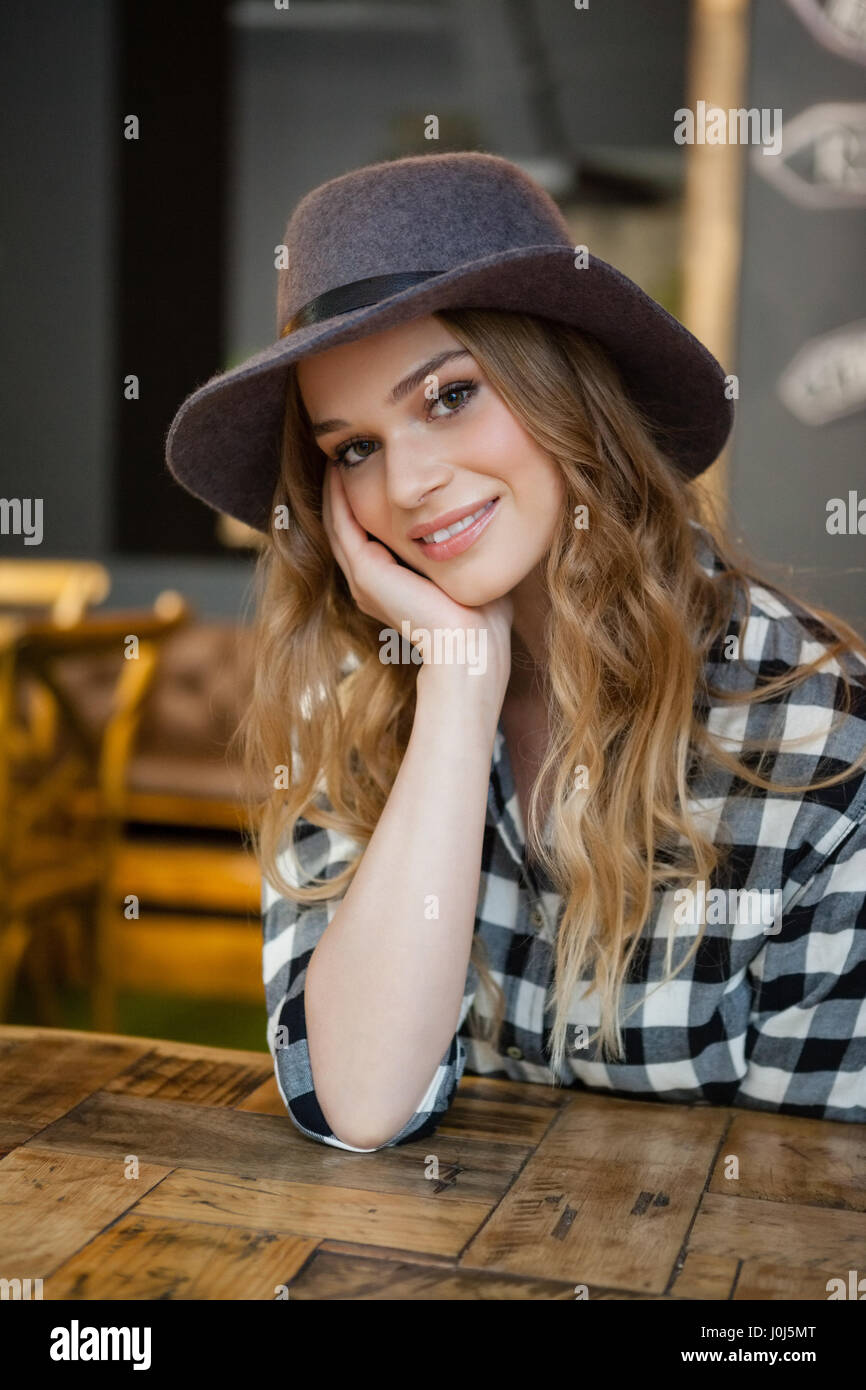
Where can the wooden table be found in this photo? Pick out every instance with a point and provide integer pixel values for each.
(136, 1169)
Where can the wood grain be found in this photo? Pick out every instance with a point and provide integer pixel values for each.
(266, 1146)
(782, 1158)
(380, 1218)
(803, 1236)
(41, 1078)
(53, 1204)
(200, 1080)
(706, 1276)
(329, 1276)
(523, 1192)
(594, 1206)
(762, 1279)
(142, 1257)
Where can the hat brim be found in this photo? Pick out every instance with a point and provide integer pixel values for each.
(224, 443)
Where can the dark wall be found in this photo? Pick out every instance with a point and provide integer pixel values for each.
(803, 275)
(56, 266)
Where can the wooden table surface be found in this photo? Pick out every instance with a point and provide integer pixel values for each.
(139, 1169)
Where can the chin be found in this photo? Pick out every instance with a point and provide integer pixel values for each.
(477, 595)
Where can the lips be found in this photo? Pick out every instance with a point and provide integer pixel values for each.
(465, 538)
(440, 523)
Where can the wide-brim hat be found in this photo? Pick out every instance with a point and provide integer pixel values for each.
(401, 239)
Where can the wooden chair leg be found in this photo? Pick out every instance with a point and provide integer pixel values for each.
(71, 965)
(106, 925)
(14, 937)
(40, 965)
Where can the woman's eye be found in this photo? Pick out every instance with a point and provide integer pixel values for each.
(447, 394)
(340, 454)
(459, 388)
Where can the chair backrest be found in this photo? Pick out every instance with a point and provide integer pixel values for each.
(65, 588)
(56, 733)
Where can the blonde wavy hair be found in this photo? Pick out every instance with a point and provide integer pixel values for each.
(632, 618)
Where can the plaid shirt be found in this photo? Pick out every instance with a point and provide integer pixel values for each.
(770, 1013)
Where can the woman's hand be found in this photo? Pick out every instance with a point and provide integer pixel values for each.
(394, 594)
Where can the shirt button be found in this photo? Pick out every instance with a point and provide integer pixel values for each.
(515, 1053)
(536, 917)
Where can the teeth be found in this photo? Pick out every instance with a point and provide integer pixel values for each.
(458, 526)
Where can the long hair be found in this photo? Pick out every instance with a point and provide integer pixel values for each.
(632, 618)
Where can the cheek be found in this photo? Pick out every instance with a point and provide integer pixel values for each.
(497, 441)
(540, 493)
(365, 504)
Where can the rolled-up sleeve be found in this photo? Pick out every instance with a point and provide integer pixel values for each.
(806, 1040)
(291, 933)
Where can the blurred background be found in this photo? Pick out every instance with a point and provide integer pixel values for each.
(152, 155)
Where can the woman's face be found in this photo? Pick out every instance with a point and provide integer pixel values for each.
(409, 458)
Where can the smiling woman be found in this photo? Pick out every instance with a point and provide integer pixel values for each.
(482, 874)
(615, 682)
(436, 448)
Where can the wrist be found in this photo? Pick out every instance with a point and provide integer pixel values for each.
(455, 689)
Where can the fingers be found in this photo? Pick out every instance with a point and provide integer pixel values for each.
(350, 533)
(332, 519)
(346, 536)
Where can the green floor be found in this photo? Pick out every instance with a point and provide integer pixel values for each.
(211, 1022)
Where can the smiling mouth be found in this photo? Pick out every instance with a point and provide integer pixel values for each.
(456, 527)
(459, 537)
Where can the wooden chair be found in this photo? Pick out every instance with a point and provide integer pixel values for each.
(62, 590)
(67, 588)
(62, 806)
(181, 852)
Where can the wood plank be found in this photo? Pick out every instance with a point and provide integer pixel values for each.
(15, 1032)
(53, 1204)
(171, 874)
(167, 808)
(43, 1076)
(142, 1257)
(502, 1091)
(801, 1236)
(358, 1277)
(706, 1276)
(341, 1271)
(310, 1209)
(203, 957)
(468, 1118)
(593, 1206)
(760, 1279)
(221, 1140)
(198, 1081)
(786, 1159)
(265, 1099)
(385, 1252)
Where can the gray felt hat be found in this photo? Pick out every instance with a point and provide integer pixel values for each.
(400, 239)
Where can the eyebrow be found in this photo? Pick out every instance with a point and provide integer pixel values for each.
(402, 389)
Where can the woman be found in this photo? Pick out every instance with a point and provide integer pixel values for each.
(610, 831)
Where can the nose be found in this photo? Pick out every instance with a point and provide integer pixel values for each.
(413, 470)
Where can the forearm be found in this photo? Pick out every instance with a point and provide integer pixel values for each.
(385, 982)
